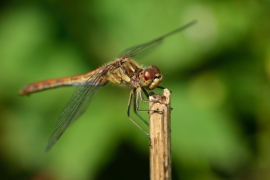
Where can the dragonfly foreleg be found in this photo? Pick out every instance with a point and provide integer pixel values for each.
(132, 97)
(139, 95)
(146, 93)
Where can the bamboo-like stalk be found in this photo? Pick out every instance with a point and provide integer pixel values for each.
(160, 136)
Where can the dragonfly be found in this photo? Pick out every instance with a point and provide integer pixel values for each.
(123, 71)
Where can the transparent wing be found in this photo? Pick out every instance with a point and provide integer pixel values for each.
(78, 103)
(130, 52)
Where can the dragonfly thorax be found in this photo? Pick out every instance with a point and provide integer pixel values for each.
(151, 78)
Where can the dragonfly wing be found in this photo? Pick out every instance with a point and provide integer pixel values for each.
(130, 52)
(77, 104)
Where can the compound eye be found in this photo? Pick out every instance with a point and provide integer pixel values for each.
(149, 74)
(156, 70)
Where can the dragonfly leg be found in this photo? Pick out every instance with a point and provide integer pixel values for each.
(160, 87)
(139, 95)
(146, 93)
(131, 96)
(136, 108)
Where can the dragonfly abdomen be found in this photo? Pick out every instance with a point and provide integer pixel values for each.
(52, 83)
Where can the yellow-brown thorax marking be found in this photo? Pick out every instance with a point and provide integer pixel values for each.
(126, 72)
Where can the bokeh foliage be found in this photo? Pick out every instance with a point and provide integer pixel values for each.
(218, 71)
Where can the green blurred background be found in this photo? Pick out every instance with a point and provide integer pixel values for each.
(218, 71)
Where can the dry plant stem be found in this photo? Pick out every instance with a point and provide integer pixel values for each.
(160, 130)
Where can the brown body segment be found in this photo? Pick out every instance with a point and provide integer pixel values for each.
(54, 83)
(47, 84)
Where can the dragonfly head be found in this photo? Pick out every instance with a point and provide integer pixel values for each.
(151, 78)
